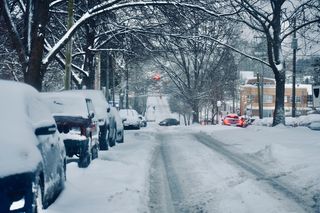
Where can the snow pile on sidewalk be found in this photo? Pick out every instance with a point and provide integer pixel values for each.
(303, 120)
(116, 182)
(289, 154)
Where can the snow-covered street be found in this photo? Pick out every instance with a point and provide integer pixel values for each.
(199, 169)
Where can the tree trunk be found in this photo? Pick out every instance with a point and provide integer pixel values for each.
(195, 113)
(278, 115)
(88, 81)
(34, 73)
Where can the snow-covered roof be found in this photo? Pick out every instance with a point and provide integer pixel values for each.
(246, 74)
(307, 86)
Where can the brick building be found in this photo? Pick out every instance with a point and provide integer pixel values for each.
(249, 98)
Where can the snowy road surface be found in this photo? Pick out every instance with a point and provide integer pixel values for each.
(199, 169)
(188, 176)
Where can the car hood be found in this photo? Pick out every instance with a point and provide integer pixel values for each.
(18, 145)
(18, 152)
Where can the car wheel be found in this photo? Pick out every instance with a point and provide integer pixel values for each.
(95, 152)
(122, 138)
(85, 156)
(103, 144)
(112, 138)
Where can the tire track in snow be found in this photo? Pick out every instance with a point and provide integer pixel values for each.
(166, 194)
(217, 146)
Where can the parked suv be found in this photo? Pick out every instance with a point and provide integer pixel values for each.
(100, 106)
(76, 120)
(32, 156)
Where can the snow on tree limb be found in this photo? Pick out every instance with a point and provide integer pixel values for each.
(14, 33)
(110, 6)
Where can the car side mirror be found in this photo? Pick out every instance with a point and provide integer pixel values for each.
(91, 115)
(124, 119)
(108, 109)
(46, 130)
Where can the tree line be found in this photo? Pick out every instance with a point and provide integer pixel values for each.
(196, 43)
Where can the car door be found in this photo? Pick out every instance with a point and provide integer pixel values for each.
(49, 144)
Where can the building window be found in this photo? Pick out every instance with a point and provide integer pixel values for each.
(298, 99)
(250, 98)
(286, 99)
(268, 99)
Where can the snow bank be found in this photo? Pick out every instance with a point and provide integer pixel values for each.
(116, 182)
(286, 153)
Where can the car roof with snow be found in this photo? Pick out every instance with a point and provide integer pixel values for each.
(66, 104)
(124, 113)
(22, 111)
(97, 98)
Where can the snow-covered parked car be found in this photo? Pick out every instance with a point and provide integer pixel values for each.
(130, 118)
(32, 156)
(77, 123)
(143, 121)
(100, 105)
(118, 125)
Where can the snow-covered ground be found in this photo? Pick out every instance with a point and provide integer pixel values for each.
(119, 181)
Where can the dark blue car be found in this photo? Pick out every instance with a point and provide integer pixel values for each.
(32, 155)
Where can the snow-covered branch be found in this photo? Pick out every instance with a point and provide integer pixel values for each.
(110, 6)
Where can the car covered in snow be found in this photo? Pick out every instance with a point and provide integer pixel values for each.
(32, 155)
(117, 128)
(234, 120)
(100, 105)
(77, 123)
(169, 122)
(130, 118)
(143, 121)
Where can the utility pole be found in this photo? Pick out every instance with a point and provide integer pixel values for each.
(294, 46)
(67, 78)
(108, 77)
(127, 88)
(261, 91)
(97, 79)
(112, 80)
(259, 95)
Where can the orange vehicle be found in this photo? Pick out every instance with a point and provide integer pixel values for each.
(234, 120)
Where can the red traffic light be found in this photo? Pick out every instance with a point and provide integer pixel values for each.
(156, 77)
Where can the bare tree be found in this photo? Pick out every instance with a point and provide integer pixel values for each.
(29, 40)
(273, 19)
(191, 59)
